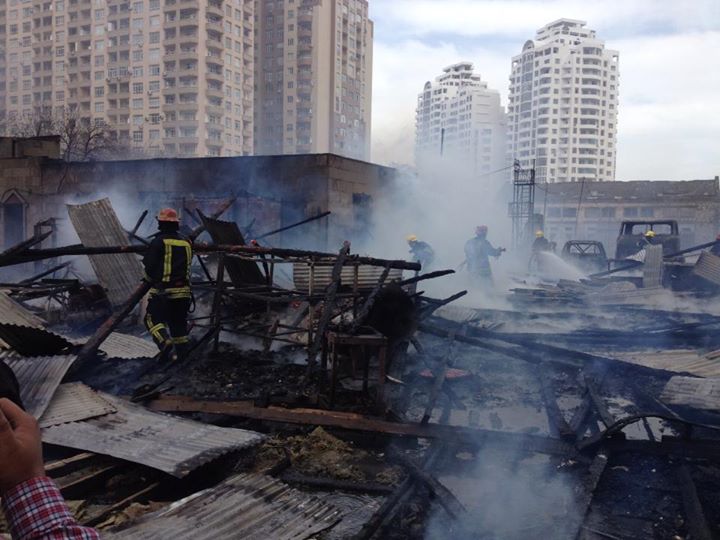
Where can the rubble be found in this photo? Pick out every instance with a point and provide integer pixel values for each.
(327, 397)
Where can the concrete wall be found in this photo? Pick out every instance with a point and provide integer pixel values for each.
(272, 191)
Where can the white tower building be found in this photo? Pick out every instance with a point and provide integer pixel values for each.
(562, 110)
(460, 121)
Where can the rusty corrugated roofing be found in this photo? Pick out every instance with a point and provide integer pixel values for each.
(30, 341)
(97, 225)
(248, 506)
(161, 441)
(73, 402)
(128, 347)
(12, 312)
(39, 378)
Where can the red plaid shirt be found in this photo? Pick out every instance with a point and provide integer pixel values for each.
(35, 510)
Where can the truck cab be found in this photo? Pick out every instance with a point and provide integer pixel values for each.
(632, 236)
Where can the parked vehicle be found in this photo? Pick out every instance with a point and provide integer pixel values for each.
(587, 255)
(632, 236)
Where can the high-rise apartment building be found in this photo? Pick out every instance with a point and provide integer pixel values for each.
(171, 77)
(313, 77)
(563, 105)
(461, 120)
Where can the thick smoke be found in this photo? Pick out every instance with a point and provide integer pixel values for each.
(507, 495)
(442, 205)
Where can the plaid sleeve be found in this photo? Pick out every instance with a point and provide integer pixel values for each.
(35, 510)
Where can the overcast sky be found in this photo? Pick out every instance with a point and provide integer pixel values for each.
(669, 113)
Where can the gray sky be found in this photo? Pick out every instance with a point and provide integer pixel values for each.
(669, 113)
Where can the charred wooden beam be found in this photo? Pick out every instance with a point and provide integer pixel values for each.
(439, 380)
(357, 422)
(698, 525)
(445, 497)
(288, 227)
(197, 231)
(317, 256)
(423, 277)
(597, 400)
(328, 305)
(45, 273)
(571, 527)
(121, 505)
(105, 329)
(369, 302)
(558, 423)
(25, 245)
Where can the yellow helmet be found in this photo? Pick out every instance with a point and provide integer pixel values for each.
(539, 234)
(649, 234)
(411, 238)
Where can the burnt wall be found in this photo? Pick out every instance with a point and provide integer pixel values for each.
(272, 191)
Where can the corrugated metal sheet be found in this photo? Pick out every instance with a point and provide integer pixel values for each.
(12, 312)
(29, 341)
(97, 225)
(368, 276)
(653, 266)
(679, 361)
(125, 346)
(39, 378)
(689, 391)
(73, 402)
(163, 442)
(708, 267)
(241, 273)
(247, 506)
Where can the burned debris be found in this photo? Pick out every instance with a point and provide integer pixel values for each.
(328, 395)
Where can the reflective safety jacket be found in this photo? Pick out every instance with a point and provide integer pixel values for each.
(167, 265)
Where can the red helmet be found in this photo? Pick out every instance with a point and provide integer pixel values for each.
(168, 215)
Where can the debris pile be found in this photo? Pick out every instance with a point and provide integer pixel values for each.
(325, 396)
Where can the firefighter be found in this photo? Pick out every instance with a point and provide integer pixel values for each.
(541, 243)
(478, 251)
(167, 269)
(421, 252)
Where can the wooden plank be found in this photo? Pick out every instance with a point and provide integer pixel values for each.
(353, 421)
(334, 484)
(120, 505)
(439, 381)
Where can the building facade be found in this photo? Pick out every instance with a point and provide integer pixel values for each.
(563, 104)
(271, 191)
(170, 77)
(460, 120)
(577, 211)
(313, 71)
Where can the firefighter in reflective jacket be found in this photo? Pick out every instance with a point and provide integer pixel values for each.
(167, 269)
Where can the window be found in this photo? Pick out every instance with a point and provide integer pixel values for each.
(137, 56)
(137, 103)
(99, 91)
(137, 88)
(137, 119)
(137, 71)
(647, 212)
(608, 212)
(570, 212)
(137, 7)
(137, 136)
(630, 211)
(154, 134)
(154, 70)
(154, 86)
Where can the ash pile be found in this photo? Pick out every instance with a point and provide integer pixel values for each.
(326, 395)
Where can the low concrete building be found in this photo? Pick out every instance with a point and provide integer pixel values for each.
(272, 192)
(594, 210)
